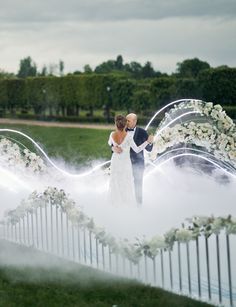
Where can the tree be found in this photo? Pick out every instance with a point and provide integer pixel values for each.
(6, 75)
(61, 67)
(191, 68)
(44, 71)
(134, 68)
(106, 67)
(119, 62)
(53, 69)
(27, 68)
(147, 70)
(88, 69)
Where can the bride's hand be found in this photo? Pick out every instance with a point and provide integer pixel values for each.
(150, 139)
(117, 149)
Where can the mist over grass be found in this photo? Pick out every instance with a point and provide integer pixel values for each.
(171, 193)
(69, 284)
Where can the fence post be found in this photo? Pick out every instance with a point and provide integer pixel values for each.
(12, 232)
(85, 255)
(79, 247)
(46, 225)
(32, 227)
(52, 243)
(97, 256)
(154, 270)
(90, 248)
(28, 228)
(208, 268)
(218, 267)
(62, 234)
(117, 264)
(109, 253)
(189, 272)
(171, 272)
(180, 268)
(229, 270)
(198, 268)
(20, 241)
(145, 264)
(57, 230)
(130, 268)
(162, 270)
(37, 227)
(67, 236)
(41, 225)
(103, 257)
(73, 241)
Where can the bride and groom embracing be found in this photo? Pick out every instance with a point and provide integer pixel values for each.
(127, 163)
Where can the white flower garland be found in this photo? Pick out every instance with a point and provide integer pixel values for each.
(13, 155)
(197, 226)
(219, 137)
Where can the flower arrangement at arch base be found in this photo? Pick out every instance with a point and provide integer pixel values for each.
(213, 130)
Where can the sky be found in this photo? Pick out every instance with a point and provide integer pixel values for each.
(78, 32)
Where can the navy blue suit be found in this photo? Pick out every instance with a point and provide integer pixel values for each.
(137, 159)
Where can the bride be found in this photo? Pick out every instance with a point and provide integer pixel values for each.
(121, 186)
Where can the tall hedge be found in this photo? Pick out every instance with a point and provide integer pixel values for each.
(218, 85)
(16, 94)
(66, 95)
(162, 91)
(3, 95)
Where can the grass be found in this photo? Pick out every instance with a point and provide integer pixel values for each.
(74, 145)
(56, 282)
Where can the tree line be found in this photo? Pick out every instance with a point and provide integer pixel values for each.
(113, 86)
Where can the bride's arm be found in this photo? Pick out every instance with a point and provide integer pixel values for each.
(141, 147)
(110, 141)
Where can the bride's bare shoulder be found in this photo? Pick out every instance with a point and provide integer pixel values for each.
(112, 134)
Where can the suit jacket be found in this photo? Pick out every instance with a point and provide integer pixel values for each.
(140, 136)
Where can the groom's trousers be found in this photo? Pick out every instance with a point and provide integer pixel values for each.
(138, 171)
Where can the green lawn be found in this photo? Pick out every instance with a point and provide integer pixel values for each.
(55, 282)
(74, 145)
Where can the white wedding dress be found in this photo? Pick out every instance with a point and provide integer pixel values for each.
(121, 187)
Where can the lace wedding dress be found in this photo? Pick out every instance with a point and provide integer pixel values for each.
(121, 186)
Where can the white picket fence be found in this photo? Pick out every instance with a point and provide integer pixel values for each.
(204, 269)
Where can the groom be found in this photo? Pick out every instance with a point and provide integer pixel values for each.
(137, 159)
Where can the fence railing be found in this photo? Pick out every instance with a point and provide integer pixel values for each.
(201, 268)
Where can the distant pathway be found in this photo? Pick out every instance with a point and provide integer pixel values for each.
(55, 124)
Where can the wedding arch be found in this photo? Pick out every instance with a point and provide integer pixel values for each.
(196, 128)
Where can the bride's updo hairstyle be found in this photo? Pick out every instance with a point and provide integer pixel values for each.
(120, 122)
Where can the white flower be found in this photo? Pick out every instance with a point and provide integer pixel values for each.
(184, 235)
(14, 156)
(217, 136)
(217, 225)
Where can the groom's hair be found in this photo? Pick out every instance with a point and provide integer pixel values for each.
(120, 122)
